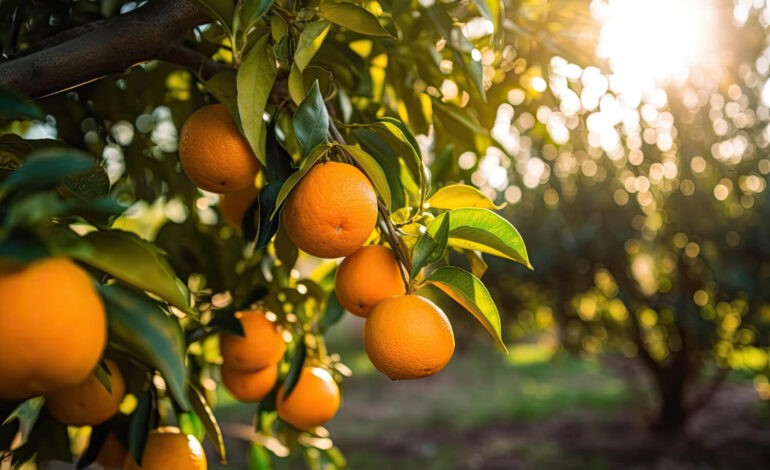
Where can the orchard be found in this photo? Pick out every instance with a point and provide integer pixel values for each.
(196, 194)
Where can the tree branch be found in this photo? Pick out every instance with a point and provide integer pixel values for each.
(195, 60)
(144, 34)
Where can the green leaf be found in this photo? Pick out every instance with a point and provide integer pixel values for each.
(254, 82)
(388, 160)
(219, 10)
(252, 11)
(430, 247)
(291, 181)
(210, 425)
(372, 169)
(311, 121)
(89, 185)
(333, 312)
(259, 458)
(15, 106)
(468, 291)
(137, 262)
(140, 425)
(309, 42)
(223, 85)
(485, 231)
(297, 362)
(278, 159)
(46, 169)
(267, 204)
(353, 17)
(139, 327)
(478, 265)
(457, 196)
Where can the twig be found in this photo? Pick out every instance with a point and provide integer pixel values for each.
(390, 231)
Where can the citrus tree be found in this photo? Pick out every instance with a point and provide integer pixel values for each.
(167, 226)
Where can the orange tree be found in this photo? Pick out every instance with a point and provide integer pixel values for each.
(120, 262)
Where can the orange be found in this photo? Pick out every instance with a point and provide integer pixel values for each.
(87, 403)
(250, 387)
(233, 206)
(113, 453)
(53, 327)
(367, 277)
(314, 400)
(332, 210)
(167, 449)
(213, 152)
(261, 346)
(408, 337)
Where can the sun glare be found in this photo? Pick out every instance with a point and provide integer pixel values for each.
(649, 42)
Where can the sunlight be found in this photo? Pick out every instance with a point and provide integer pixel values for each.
(649, 42)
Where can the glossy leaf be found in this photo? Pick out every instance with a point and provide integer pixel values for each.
(478, 265)
(254, 82)
(457, 196)
(267, 204)
(252, 11)
(291, 181)
(136, 262)
(333, 312)
(468, 291)
(353, 17)
(220, 11)
(139, 327)
(372, 169)
(311, 121)
(15, 106)
(89, 185)
(47, 168)
(140, 425)
(297, 362)
(430, 247)
(485, 231)
(209, 421)
(223, 86)
(383, 153)
(309, 42)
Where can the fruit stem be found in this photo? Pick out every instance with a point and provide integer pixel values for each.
(390, 231)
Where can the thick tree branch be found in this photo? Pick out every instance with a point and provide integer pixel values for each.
(144, 34)
(195, 60)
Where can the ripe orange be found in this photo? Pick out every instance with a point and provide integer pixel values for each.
(53, 328)
(332, 210)
(262, 346)
(367, 277)
(113, 453)
(233, 206)
(87, 403)
(213, 152)
(250, 387)
(314, 400)
(408, 337)
(166, 449)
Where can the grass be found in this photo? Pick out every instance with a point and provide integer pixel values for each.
(386, 424)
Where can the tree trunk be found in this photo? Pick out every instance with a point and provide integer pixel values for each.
(672, 412)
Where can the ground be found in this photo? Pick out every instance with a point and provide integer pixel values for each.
(491, 411)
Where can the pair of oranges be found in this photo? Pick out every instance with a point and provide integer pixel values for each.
(250, 371)
(52, 343)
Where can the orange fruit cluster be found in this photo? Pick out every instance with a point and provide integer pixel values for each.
(405, 336)
(332, 210)
(50, 341)
(250, 362)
